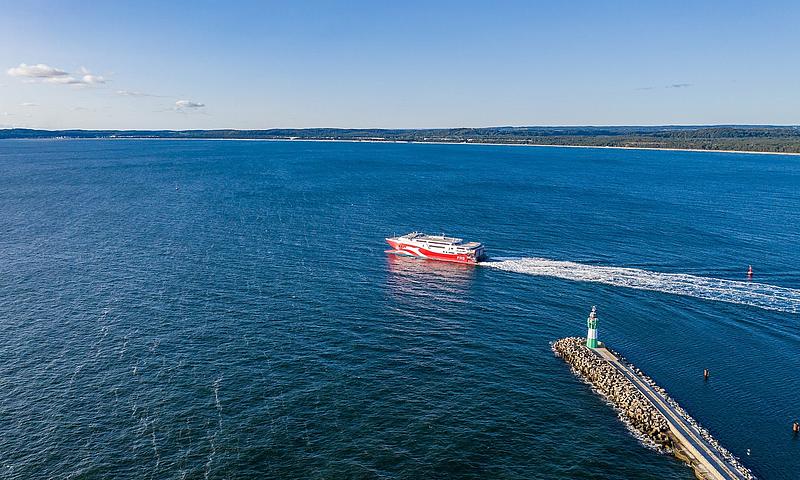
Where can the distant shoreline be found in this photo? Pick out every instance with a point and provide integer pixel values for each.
(773, 139)
(515, 145)
(415, 142)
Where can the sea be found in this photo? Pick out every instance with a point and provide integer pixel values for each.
(227, 309)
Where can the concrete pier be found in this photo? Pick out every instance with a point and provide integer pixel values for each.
(648, 409)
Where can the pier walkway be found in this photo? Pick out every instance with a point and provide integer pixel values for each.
(702, 456)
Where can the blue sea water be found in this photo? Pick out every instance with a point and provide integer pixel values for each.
(225, 309)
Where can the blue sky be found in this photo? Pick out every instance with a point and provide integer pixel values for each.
(202, 64)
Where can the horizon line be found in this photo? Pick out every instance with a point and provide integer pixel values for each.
(655, 125)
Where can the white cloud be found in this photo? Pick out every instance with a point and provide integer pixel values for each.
(40, 70)
(68, 80)
(134, 93)
(29, 104)
(48, 74)
(188, 104)
(90, 79)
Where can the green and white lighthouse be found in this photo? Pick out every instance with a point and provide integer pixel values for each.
(591, 322)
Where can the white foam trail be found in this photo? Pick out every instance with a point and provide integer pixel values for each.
(760, 295)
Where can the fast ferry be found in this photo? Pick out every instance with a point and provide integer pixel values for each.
(436, 247)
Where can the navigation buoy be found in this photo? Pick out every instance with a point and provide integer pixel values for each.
(749, 271)
(591, 322)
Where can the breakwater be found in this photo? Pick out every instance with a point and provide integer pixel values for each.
(633, 407)
(647, 409)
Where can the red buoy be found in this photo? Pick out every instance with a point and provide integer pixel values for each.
(750, 271)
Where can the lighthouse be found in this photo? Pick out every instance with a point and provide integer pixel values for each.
(591, 322)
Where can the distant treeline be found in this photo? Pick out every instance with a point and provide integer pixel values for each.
(733, 137)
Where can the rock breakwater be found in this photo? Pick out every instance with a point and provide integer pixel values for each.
(632, 406)
(639, 413)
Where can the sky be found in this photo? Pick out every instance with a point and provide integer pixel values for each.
(410, 64)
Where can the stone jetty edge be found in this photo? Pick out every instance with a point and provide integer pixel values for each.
(638, 414)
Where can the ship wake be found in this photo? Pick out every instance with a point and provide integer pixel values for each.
(769, 297)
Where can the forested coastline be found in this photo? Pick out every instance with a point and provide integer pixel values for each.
(780, 139)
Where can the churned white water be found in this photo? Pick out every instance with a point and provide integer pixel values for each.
(761, 295)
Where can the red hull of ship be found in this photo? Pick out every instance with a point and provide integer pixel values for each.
(400, 248)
